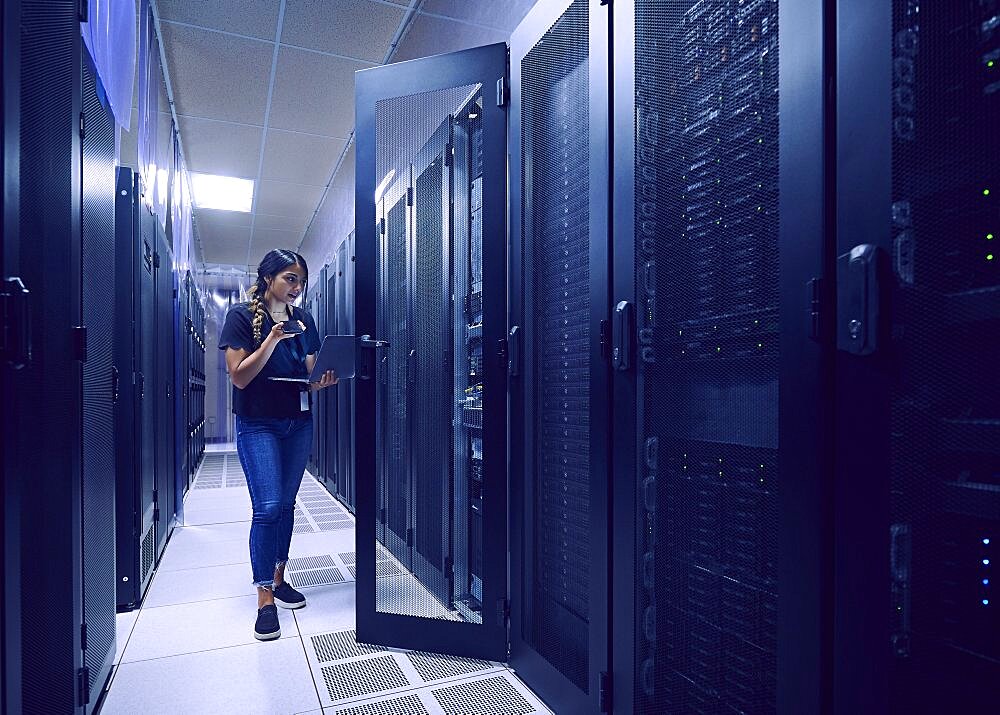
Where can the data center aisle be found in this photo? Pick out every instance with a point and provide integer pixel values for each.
(191, 648)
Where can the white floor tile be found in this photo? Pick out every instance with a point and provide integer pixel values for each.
(190, 554)
(198, 516)
(196, 627)
(269, 677)
(328, 608)
(210, 533)
(124, 623)
(170, 588)
(323, 542)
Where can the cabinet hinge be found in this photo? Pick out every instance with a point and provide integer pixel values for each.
(83, 125)
(449, 154)
(83, 636)
(502, 92)
(409, 196)
(80, 342)
(605, 692)
(815, 299)
(83, 685)
(503, 611)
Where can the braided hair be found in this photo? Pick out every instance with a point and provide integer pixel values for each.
(273, 263)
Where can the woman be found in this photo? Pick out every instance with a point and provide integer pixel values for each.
(273, 421)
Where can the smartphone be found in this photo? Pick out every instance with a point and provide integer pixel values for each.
(291, 327)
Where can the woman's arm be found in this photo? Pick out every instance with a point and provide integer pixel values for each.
(244, 366)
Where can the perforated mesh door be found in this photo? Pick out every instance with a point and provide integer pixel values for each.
(706, 272)
(413, 137)
(555, 124)
(98, 269)
(944, 529)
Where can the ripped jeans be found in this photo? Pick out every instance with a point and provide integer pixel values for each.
(274, 452)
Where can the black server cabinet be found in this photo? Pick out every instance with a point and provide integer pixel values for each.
(320, 431)
(134, 360)
(559, 419)
(43, 649)
(343, 394)
(165, 347)
(328, 397)
(100, 381)
(918, 217)
(721, 578)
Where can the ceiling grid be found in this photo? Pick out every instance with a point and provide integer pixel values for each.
(265, 91)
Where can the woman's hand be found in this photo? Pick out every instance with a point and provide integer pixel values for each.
(329, 378)
(277, 333)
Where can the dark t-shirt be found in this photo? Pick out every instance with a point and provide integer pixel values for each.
(263, 397)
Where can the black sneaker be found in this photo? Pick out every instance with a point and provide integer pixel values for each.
(287, 597)
(267, 627)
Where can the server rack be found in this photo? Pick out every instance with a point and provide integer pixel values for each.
(194, 378)
(328, 398)
(100, 382)
(165, 347)
(43, 650)
(559, 427)
(342, 395)
(134, 358)
(917, 212)
(320, 414)
(313, 466)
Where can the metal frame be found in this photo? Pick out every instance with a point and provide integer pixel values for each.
(484, 65)
(543, 677)
(861, 599)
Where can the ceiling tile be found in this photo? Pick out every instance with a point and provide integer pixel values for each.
(428, 36)
(314, 93)
(223, 148)
(266, 239)
(217, 217)
(256, 19)
(226, 254)
(354, 28)
(224, 244)
(217, 76)
(501, 15)
(283, 199)
(345, 175)
(300, 158)
(281, 223)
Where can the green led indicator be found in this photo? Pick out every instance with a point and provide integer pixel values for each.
(986, 192)
(990, 63)
(989, 237)
(989, 256)
(719, 350)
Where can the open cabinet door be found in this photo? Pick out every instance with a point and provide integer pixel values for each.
(431, 392)
(559, 422)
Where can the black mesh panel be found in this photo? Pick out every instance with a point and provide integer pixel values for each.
(430, 440)
(555, 82)
(98, 268)
(706, 273)
(944, 532)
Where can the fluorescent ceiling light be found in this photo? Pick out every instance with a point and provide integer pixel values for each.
(222, 192)
(384, 185)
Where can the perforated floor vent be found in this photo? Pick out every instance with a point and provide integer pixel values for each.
(340, 646)
(310, 562)
(382, 569)
(432, 666)
(303, 528)
(348, 557)
(363, 677)
(408, 705)
(490, 696)
(334, 525)
(317, 577)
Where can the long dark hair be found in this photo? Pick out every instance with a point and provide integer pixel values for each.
(273, 263)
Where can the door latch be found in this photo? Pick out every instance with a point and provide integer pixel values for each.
(366, 366)
(16, 316)
(623, 336)
(858, 300)
(514, 351)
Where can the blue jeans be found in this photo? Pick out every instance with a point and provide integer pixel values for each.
(274, 452)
